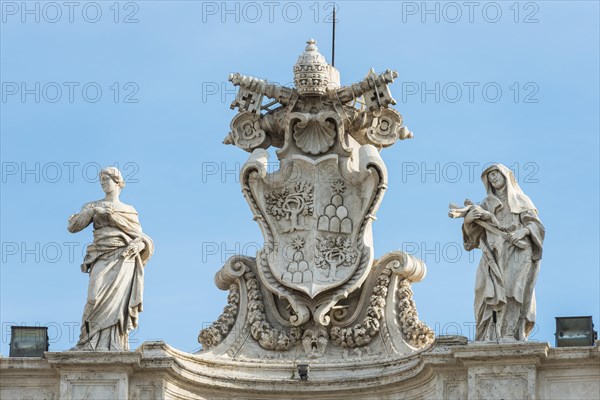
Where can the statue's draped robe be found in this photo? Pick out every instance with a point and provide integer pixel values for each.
(116, 284)
(506, 275)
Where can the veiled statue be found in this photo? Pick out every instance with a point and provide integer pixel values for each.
(505, 226)
(315, 284)
(115, 262)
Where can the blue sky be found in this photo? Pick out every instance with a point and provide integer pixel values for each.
(143, 85)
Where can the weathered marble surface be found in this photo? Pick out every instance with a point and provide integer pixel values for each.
(314, 290)
(451, 369)
(115, 262)
(507, 229)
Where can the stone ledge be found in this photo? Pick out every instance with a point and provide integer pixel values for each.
(567, 353)
(451, 340)
(27, 363)
(501, 353)
(94, 360)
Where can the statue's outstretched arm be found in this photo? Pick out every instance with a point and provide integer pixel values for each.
(81, 220)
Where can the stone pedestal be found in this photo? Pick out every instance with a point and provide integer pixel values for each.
(505, 371)
(94, 375)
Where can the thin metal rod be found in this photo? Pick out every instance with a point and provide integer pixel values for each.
(333, 40)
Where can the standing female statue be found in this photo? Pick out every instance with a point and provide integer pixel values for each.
(115, 262)
(506, 227)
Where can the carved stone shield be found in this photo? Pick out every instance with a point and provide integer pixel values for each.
(315, 213)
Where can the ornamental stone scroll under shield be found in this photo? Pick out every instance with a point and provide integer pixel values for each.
(315, 287)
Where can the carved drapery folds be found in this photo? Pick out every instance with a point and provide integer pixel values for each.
(315, 288)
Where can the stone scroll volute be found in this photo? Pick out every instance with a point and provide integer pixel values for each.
(315, 284)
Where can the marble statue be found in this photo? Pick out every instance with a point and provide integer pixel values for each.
(115, 262)
(507, 229)
(315, 285)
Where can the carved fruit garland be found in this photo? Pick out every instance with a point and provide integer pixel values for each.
(362, 334)
(415, 332)
(214, 334)
(267, 337)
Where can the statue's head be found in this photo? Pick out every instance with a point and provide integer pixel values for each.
(111, 179)
(498, 178)
(497, 175)
(314, 341)
(311, 72)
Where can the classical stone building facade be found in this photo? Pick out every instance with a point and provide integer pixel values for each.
(451, 369)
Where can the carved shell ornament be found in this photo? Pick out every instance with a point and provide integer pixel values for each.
(314, 136)
(315, 284)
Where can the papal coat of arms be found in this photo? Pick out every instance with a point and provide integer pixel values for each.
(315, 281)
